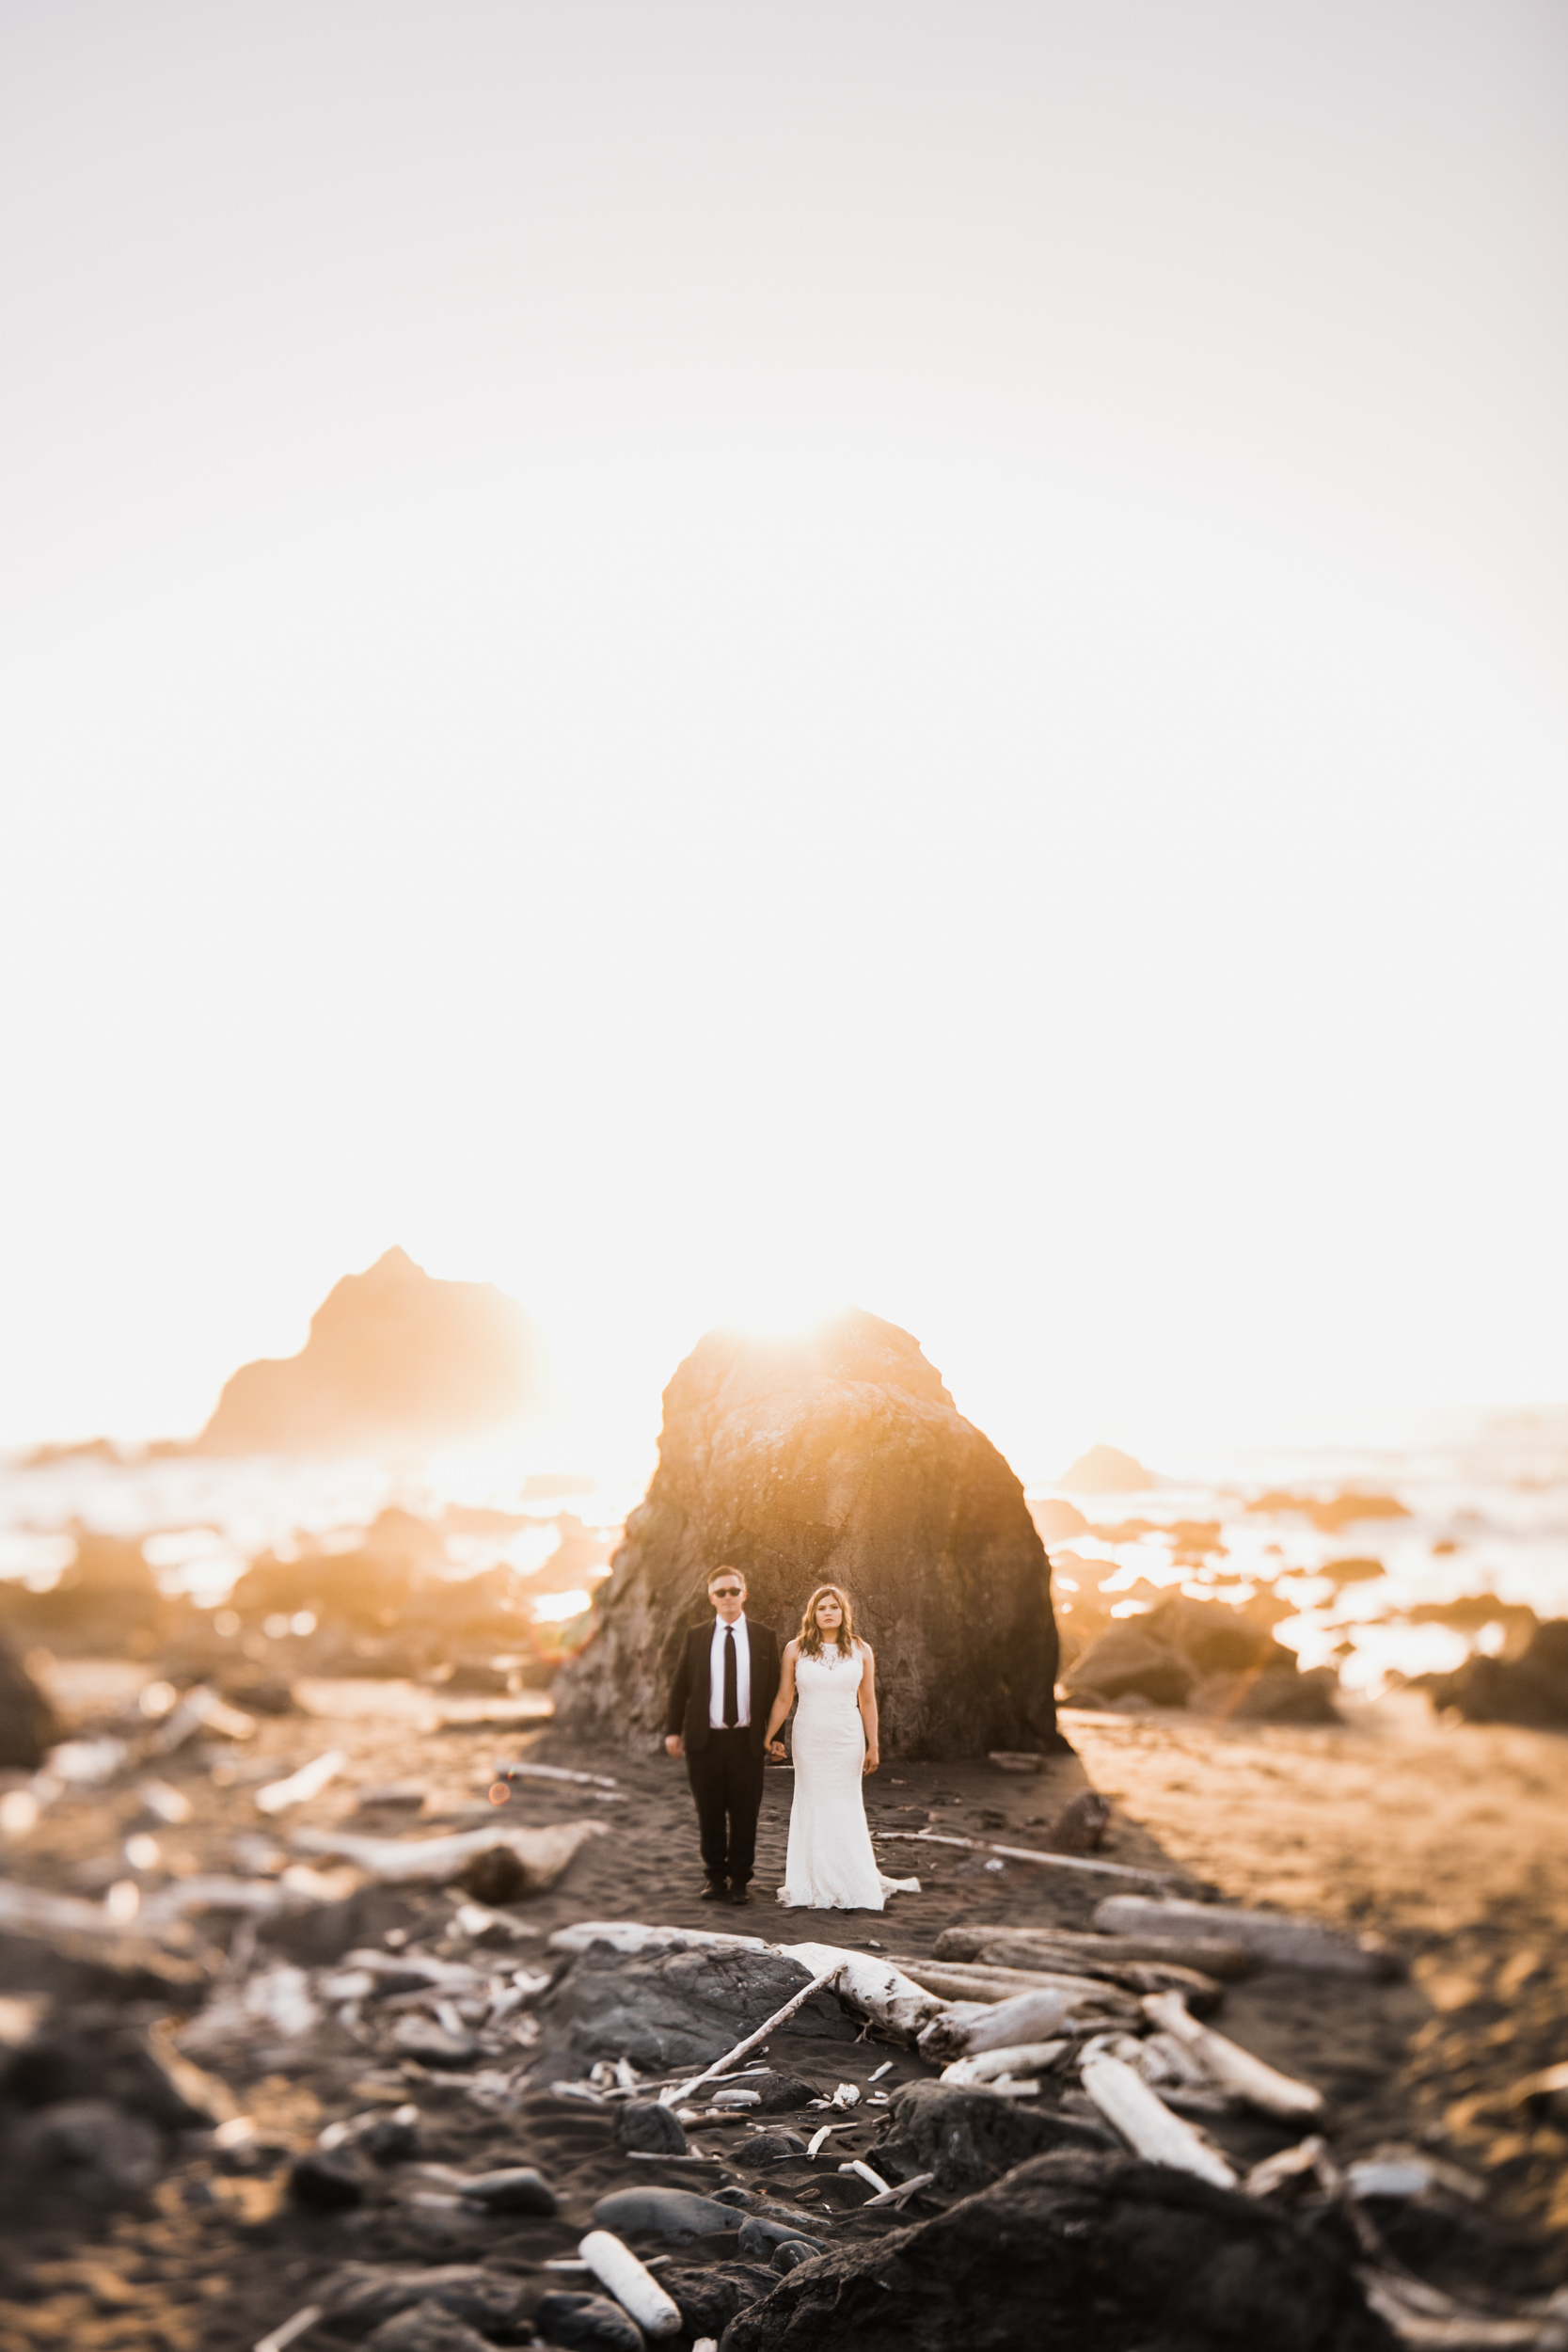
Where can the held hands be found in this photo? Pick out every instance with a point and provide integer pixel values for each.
(674, 1746)
(776, 1750)
(872, 1760)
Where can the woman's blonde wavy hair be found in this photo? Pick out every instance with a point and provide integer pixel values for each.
(811, 1632)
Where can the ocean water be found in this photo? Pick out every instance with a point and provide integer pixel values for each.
(1484, 1497)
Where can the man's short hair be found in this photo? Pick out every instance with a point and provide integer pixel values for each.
(725, 1570)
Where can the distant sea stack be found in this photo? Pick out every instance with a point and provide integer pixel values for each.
(837, 1457)
(394, 1359)
(1105, 1469)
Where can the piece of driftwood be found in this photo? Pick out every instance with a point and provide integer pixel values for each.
(956, 1982)
(901, 2195)
(1271, 1936)
(292, 2329)
(1290, 2164)
(632, 1936)
(1047, 1861)
(308, 1782)
(540, 1854)
(1013, 2058)
(633, 2285)
(1429, 2321)
(678, 2094)
(555, 1772)
(1071, 1948)
(1234, 2068)
(33, 1912)
(964, 2028)
(1137, 2110)
(877, 1988)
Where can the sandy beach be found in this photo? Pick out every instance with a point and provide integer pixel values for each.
(1447, 1839)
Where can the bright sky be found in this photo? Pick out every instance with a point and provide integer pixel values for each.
(699, 659)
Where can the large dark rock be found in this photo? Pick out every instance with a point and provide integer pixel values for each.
(967, 2135)
(671, 2008)
(709, 2300)
(1531, 1689)
(394, 1357)
(1083, 2254)
(426, 2327)
(28, 1723)
(836, 1457)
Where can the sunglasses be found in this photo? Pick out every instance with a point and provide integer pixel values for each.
(726, 1592)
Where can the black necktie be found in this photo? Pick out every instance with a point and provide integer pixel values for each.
(732, 1700)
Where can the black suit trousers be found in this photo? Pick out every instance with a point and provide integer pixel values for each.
(726, 1782)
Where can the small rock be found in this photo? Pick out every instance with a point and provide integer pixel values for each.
(676, 2214)
(105, 2151)
(759, 2236)
(775, 2147)
(780, 2094)
(591, 2321)
(643, 2124)
(790, 2252)
(517, 2188)
(393, 2139)
(422, 2038)
(327, 2179)
(427, 2328)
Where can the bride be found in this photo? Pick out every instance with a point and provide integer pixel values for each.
(831, 1865)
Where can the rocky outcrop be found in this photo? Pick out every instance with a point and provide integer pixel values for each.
(1105, 1469)
(28, 1721)
(1531, 1689)
(394, 1359)
(1084, 2253)
(837, 1457)
(1203, 1655)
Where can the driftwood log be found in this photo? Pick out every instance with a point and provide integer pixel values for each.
(1137, 2110)
(1071, 1948)
(1270, 1936)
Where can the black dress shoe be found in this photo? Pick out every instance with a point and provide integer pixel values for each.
(738, 1894)
(714, 1892)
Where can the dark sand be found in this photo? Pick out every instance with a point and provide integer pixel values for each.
(1452, 1841)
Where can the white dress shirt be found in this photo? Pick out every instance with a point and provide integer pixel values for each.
(743, 1673)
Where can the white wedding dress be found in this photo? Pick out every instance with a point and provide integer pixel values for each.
(831, 1865)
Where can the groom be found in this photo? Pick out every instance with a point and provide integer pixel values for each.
(724, 1686)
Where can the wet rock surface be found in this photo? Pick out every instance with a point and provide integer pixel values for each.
(676, 2007)
(837, 1458)
(1204, 1655)
(1085, 2253)
(1530, 1689)
(968, 2135)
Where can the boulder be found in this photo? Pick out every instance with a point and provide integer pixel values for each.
(1258, 1697)
(709, 2300)
(587, 2322)
(1208, 1656)
(1126, 1660)
(1530, 1689)
(1085, 2253)
(90, 2145)
(394, 1357)
(676, 2215)
(968, 2135)
(674, 2007)
(28, 1723)
(834, 1457)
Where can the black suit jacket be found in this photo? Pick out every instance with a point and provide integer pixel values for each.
(689, 1692)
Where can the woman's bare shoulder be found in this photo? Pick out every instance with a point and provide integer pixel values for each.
(792, 1649)
(866, 1649)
